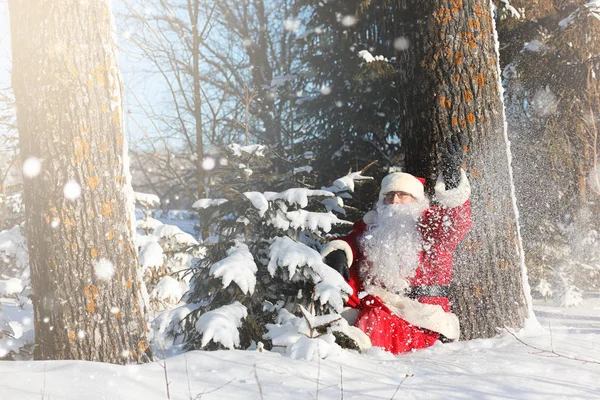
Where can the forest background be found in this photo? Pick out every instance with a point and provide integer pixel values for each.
(200, 76)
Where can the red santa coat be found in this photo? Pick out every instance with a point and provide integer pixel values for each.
(441, 227)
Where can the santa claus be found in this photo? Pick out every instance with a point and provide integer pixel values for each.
(398, 258)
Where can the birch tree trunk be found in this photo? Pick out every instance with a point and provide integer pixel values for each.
(86, 290)
(458, 74)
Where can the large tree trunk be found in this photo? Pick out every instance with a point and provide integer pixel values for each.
(459, 74)
(68, 96)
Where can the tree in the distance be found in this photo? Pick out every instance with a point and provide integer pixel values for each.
(556, 146)
(87, 293)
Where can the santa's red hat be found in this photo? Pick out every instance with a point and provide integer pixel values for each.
(402, 182)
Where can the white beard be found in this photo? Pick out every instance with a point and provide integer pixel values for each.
(392, 247)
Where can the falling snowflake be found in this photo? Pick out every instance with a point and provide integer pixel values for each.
(104, 269)
(72, 190)
(325, 90)
(208, 163)
(401, 43)
(292, 25)
(32, 167)
(349, 20)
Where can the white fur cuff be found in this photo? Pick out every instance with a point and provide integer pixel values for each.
(338, 245)
(453, 197)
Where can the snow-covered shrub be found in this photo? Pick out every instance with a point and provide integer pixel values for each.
(12, 211)
(164, 252)
(566, 261)
(16, 310)
(263, 253)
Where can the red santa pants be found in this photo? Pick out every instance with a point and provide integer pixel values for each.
(389, 331)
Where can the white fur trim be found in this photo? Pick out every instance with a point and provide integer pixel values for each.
(370, 218)
(338, 245)
(427, 316)
(453, 197)
(402, 182)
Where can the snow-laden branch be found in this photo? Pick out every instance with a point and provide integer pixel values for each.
(295, 257)
(238, 267)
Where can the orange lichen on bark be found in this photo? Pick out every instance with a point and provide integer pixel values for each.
(445, 102)
(129, 283)
(478, 9)
(454, 121)
(479, 79)
(463, 123)
(110, 235)
(92, 213)
(90, 306)
(458, 57)
(469, 39)
(93, 182)
(99, 74)
(74, 245)
(467, 95)
(142, 345)
(117, 116)
(474, 24)
(71, 335)
(456, 4)
(82, 149)
(108, 208)
(91, 292)
(120, 143)
(442, 15)
(94, 253)
(471, 118)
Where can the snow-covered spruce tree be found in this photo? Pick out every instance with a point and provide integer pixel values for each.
(262, 260)
(77, 195)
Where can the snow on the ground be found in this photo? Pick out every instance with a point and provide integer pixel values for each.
(500, 368)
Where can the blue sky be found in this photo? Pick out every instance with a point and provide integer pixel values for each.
(143, 88)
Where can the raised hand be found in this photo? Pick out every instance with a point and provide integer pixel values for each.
(452, 159)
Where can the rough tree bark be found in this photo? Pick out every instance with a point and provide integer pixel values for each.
(458, 74)
(68, 96)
